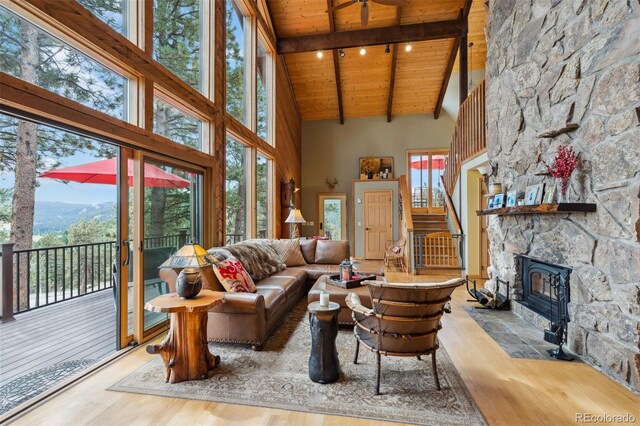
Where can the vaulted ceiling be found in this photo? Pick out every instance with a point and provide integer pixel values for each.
(365, 81)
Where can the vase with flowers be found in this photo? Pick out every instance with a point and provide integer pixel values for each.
(563, 166)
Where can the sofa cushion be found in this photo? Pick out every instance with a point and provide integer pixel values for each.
(258, 257)
(234, 277)
(316, 271)
(308, 249)
(292, 287)
(289, 252)
(297, 272)
(332, 252)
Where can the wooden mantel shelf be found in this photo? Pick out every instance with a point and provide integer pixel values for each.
(541, 209)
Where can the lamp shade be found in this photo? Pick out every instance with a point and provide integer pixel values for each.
(189, 256)
(295, 217)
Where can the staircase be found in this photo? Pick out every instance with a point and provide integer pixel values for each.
(426, 223)
(434, 246)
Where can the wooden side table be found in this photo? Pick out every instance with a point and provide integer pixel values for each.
(185, 351)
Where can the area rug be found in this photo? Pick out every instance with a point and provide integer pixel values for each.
(277, 377)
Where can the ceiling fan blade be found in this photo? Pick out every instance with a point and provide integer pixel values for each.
(364, 14)
(340, 6)
(389, 2)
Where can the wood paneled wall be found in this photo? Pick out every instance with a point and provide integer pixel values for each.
(288, 136)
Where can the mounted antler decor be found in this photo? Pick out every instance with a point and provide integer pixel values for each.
(331, 183)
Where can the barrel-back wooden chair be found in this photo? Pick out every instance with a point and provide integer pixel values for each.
(404, 320)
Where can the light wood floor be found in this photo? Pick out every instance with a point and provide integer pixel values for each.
(508, 391)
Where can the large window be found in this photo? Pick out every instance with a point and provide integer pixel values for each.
(263, 74)
(112, 12)
(171, 122)
(177, 35)
(263, 166)
(236, 63)
(236, 191)
(37, 57)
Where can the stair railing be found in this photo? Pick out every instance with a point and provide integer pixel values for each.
(406, 223)
(469, 135)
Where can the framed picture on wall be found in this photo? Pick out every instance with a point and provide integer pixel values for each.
(498, 201)
(376, 167)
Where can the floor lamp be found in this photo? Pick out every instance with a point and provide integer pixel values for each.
(294, 218)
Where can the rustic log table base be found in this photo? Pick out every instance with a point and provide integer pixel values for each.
(185, 350)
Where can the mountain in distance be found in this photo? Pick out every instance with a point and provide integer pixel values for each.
(54, 217)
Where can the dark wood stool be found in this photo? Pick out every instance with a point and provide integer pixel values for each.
(324, 366)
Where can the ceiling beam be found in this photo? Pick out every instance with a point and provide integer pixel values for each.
(394, 60)
(464, 14)
(373, 36)
(336, 64)
(447, 76)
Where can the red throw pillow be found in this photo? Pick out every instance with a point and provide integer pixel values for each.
(233, 277)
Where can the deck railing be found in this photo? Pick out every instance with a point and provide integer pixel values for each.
(38, 277)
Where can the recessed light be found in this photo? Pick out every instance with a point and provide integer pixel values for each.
(319, 55)
(363, 51)
(408, 48)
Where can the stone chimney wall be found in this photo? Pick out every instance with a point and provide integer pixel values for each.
(567, 72)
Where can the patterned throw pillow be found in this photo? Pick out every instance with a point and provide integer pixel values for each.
(289, 252)
(234, 277)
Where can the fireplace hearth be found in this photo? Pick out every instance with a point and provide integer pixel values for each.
(546, 291)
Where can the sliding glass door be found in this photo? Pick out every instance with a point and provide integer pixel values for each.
(172, 217)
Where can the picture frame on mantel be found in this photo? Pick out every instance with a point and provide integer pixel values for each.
(371, 167)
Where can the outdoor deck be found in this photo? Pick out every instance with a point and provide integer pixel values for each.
(46, 345)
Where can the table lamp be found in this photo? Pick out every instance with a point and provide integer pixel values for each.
(295, 217)
(190, 258)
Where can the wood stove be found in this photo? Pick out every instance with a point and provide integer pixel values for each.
(545, 290)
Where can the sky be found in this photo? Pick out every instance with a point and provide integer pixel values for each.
(72, 192)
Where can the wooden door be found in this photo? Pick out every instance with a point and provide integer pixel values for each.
(378, 222)
(484, 236)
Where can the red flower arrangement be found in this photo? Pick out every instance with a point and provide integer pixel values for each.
(563, 166)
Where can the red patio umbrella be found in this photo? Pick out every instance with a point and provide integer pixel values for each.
(104, 172)
(436, 164)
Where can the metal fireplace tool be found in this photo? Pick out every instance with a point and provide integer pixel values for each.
(558, 332)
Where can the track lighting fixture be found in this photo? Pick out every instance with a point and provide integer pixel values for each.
(408, 47)
(386, 49)
(363, 51)
(319, 55)
(341, 53)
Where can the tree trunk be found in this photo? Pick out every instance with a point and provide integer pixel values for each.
(240, 223)
(24, 188)
(158, 195)
(156, 212)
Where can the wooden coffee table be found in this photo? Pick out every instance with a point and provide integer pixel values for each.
(185, 350)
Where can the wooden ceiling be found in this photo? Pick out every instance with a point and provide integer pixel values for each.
(365, 80)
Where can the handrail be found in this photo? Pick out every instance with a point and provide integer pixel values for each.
(469, 135)
(406, 203)
(406, 222)
(451, 211)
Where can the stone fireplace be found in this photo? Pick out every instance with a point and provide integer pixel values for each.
(563, 72)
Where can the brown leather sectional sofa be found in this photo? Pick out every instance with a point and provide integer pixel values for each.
(249, 318)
